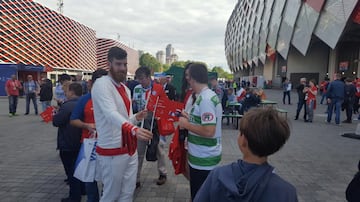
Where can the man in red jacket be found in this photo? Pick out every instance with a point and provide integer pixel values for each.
(12, 88)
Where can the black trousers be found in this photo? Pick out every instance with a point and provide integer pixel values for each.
(349, 110)
(301, 104)
(68, 159)
(197, 178)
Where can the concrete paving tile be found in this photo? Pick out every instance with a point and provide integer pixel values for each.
(316, 159)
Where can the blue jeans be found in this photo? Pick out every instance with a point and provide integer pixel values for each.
(31, 96)
(322, 98)
(92, 191)
(286, 93)
(335, 102)
(310, 110)
(13, 101)
(45, 104)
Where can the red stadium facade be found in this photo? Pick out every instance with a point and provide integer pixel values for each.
(35, 39)
(102, 47)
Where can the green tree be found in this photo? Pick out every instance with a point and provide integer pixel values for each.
(183, 63)
(150, 61)
(165, 67)
(222, 73)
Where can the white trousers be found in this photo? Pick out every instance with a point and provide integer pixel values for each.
(118, 175)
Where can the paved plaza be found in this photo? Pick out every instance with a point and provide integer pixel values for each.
(316, 160)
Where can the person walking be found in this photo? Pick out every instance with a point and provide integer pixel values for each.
(46, 93)
(204, 126)
(349, 98)
(12, 87)
(287, 89)
(311, 100)
(31, 89)
(301, 99)
(323, 89)
(335, 98)
(117, 134)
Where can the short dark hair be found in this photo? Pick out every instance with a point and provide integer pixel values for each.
(97, 74)
(142, 71)
(64, 77)
(265, 131)
(117, 53)
(199, 73)
(76, 88)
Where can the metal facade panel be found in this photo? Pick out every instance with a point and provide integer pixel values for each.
(275, 22)
(265, 29)
(257, 28)
(333, 20)
(287, 26)
(255, 49)
(315, 4)
(304, 28)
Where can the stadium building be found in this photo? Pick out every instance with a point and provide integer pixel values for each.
(293, 38)
(35, 39)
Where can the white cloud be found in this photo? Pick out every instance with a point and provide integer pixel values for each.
(195, 28)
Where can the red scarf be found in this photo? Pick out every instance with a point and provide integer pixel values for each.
(123, 94)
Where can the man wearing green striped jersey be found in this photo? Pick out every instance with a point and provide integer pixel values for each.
(204, 126)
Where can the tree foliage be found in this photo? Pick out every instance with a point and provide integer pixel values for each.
(222, 73)
(183, 63)
(150, 61)
(165, 67)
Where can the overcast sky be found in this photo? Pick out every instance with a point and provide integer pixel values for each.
(195, 28)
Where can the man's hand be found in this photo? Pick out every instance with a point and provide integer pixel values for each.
(90, 127)
(143, 134)
(328, 100)
(183, 122)
(141, 115)
(184, 114)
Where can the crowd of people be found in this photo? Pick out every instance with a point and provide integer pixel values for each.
(41, 90)
(114, 111)
(341, 94)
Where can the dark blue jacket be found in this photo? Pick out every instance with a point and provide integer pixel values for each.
(241, 181)
(68, 138)
(336, 90)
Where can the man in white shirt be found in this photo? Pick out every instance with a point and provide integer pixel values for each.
(114, 119)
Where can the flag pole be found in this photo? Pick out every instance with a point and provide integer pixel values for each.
(153, 117)
(147, 102)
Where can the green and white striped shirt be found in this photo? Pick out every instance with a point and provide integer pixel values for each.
(205, 153)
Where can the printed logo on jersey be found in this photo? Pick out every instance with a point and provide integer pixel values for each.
(207, 117)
